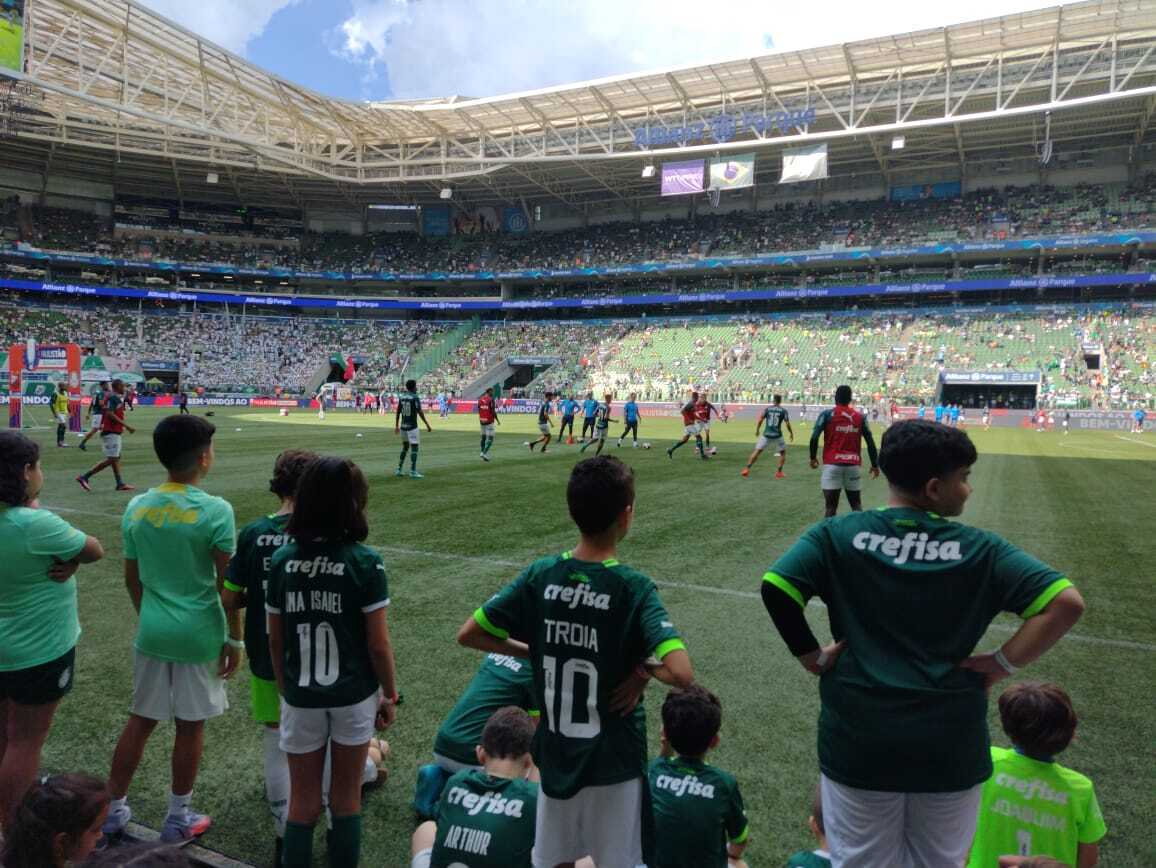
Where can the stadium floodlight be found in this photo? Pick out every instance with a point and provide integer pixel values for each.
(898, 143)
(446, 193)
(648, 171)
(212, 178)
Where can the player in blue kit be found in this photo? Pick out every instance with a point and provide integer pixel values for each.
(589, 409)
(630, 420)
(569, 408)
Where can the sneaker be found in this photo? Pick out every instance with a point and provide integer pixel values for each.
(124, 486)
(670, 453)
(413, 474)
(84, 483)
(83, 447)
(398, 472)
(529, 445)
(780, 475)
(619, 444)
(112, 831)
(191, 825)
(485, 457)
(62, 446)
(746, 471)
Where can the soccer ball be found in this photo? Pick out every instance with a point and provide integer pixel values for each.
(713, 451)
(645, 445)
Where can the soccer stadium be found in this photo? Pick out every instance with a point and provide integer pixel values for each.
(918, 267)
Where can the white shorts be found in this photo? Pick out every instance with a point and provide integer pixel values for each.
(692, 430)
(304, 730)
(61, 418)
(604, 823)
(94, 425)
(601, 433)
(185, 691)
(110, 445)
(778, 444)
(869, 828)
(544, 427)
(422, 858)
(411, 436)
(842, 476)
(488, 430)
(704, 426)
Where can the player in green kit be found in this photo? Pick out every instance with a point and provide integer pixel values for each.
(590, 623)
(501, 680)
(331, 653)
(903, 740)
(486, 816)
(602, 419)
(699, 820)
(772, 420)
(245, 589)
(405, 423)
(1032, 805)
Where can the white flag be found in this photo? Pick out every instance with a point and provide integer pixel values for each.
(804, 164)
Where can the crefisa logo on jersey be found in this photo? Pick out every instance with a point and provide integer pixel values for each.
(913, 546)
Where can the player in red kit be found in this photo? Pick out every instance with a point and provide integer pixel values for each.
(488, 417)
(702, 410)
(112, 426)
(690, 427)
(842, 428)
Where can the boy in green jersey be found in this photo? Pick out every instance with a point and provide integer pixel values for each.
(589, 622)
(1032, 805)
(772, 422)
(820, 857)
(177, 545)
(602, 419)
(699, 820)
(331, 653)
(486, 815)
(245, 588)
(903, 741)
(405, 423)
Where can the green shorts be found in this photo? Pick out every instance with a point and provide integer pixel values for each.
(264, 700)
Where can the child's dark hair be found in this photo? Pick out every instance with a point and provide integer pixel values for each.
(598, 490)
(287, 470)
(778, 399)
(508, 733)
(691, 718)
(16, 453)
(145, 855)
(1038, 718)
(60, 804)
(915, 451)
(843, 395)
(330, 504)
(411, 385)
(817, 810)
(180, 441)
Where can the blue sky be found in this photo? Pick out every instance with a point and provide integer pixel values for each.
(382, 49)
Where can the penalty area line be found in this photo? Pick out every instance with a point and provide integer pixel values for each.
(1134, 440)
(662, 583)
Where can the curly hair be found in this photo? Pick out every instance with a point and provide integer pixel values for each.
(16, 453)
(287, 470)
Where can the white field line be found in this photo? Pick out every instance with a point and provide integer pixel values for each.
(684, 586)
(1134, 440)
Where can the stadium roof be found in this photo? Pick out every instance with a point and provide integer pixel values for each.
(114, 92)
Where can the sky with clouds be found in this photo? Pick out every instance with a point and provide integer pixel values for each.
(407, 49)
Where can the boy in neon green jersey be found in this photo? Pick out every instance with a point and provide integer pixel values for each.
(587, 622)
(177, 544)
(699, 820)
(1032, 805)
(903, 741)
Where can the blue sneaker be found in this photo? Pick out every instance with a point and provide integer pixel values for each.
(184, 828)
(112, 830)
(431, 780)
(413, 474)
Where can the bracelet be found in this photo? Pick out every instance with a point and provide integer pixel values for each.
(1005, 664)
(234, 643)
(821, 660)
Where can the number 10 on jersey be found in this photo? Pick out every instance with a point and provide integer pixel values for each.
(561, 720)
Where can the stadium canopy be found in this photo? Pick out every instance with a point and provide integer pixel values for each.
(114, 93)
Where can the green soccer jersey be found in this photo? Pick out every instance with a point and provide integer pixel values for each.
(500, 681)
(911, 593)
(323, 591)
(773, 419)
(249, 574)
(588, 625)
(1034, 808)
(697, 810)
(810, 859)
(408, 404)
(602, 417)
(485, 822)
(171, 531)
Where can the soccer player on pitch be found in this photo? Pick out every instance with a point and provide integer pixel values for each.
(488, 417)
(601, 426)
(630, 420)
(589, 409)
(592, 628)
(702, 410)
(95, 411)
(569, 408)
(60, 412)
(545, 424)
(690, 428)
(112, 425)
(774, 418)
(842, 428)
(405, 423)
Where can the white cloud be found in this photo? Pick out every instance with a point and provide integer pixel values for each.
(487, 47)
(229, 23)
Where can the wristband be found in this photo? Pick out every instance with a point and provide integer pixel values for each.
(821, 660)
(234, 643)
(1004, 664)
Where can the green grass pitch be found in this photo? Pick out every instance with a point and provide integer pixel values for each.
(1083, 503)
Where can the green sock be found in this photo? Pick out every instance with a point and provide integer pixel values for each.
(489, 443)
(401, 461)
(297, 845)
(413, 459)
(483, 444)
(345, 842)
